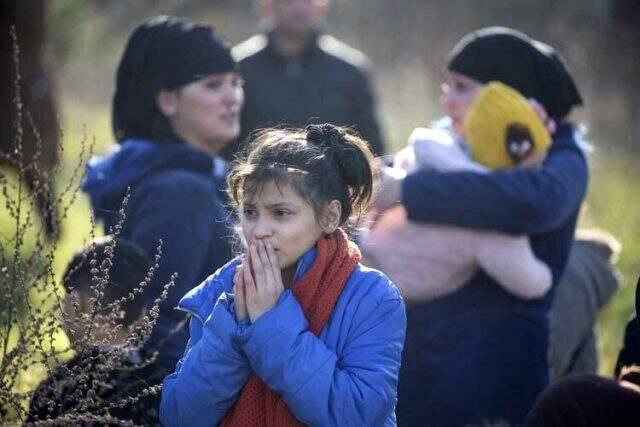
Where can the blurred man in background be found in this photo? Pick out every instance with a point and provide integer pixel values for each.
(295, 75)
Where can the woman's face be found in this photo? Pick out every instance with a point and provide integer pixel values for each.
(206, 112)
(297, 17)
(280, 216)
(458, 93)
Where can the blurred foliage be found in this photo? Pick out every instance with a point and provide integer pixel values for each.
(63, 21)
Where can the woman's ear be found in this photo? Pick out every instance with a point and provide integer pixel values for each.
(330, 219)
(167, 102)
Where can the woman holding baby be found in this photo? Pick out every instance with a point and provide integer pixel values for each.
(479, 353)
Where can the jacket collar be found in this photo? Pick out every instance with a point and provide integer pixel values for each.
(310, 49)
(304, 264)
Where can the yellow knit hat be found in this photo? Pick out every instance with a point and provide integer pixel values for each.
(502, 129)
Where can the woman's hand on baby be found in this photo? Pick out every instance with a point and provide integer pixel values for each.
(261, 278)
(389, 188)
(549, 123)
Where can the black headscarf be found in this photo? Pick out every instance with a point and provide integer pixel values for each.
(163, 53)
(533, 68)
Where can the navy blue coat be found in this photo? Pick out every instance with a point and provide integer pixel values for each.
(480, 354)
(174, 196)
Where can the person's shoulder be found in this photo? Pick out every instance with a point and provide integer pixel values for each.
(569, 136)
(372, 283)
(249, 48)
(178, 184)
(200, 299)
(179, 178)
(349, 56)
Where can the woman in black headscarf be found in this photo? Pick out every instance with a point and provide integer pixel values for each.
(176, 105)
(480, 354)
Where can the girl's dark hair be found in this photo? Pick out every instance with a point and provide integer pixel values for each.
(321, 163)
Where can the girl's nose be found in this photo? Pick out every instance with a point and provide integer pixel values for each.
(262, 230)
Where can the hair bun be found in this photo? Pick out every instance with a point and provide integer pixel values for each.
(325, 135)
(334, 144)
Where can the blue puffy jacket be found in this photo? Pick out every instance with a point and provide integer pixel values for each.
(348, 376)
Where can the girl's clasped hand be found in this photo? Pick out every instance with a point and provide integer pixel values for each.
(257, 281)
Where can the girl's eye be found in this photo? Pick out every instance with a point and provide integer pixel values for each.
(282, 213)
(249, 213)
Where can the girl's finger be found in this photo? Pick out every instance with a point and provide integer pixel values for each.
(237, 275)
(247, 276)
(275, 264)
(258, 267)
(262, 253)
(266, 264)
(240, 297)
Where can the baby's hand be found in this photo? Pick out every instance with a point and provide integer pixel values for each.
(542, 113)
(389, 185)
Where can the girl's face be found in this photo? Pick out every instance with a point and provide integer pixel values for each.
(280, 216)
(205, 113)
(458, 93)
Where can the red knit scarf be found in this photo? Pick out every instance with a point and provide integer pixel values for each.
(317, 292)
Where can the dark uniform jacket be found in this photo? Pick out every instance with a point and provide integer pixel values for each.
(479, 355)
(329, 82)
(96, 387)
(177, 195)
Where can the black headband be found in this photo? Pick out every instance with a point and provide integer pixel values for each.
(533, 68)
(162, 53)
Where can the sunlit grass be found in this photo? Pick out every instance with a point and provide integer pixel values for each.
(612, 204)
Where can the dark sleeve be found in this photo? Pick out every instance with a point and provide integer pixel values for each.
(38, 409)
(183, 210)
(630, 351)
(364, 113)
(52, 398)
(517, 201)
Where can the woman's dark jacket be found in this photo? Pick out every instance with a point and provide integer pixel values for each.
(480, 354)
(176, 195)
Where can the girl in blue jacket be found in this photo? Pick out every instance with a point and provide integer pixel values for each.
(295, 331)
